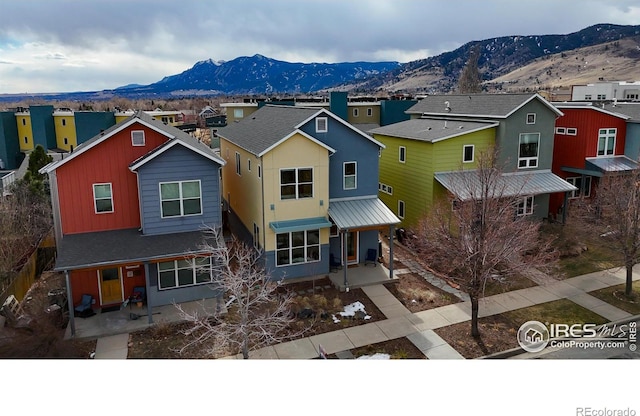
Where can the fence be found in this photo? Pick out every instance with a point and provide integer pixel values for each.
(19, 283)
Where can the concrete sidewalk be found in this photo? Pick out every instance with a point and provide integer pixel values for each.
(418, 327)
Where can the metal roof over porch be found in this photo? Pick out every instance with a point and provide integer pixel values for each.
(465, 183)
(349, 214)
(618, 163)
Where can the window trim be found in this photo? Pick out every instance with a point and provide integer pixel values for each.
(402, 154)
(533, 116)
(194, 268)
(561, 130)
(259, 171)
(319, 122)
(401, 209)
(256, 236)
(297, 183)
(606, 136)
(345, 176)
(305, 246)
(369, 112)
(133, 142)
(528, 159)
(464, 153)
(238, 165)
(578, 193)
(356, 112)
(249, 165)
(95, 200)
(527, 208)
(572, 131)
(180, 199)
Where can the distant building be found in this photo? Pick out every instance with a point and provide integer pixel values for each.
(607, 91)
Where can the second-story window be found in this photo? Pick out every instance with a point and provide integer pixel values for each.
(321, 125)
(296, 183)
(64, 122)
(606, 142)
(369, 112)
(467, 153)
(238, 113)
(531, 118)
(356, 112)
(180, 198)
(137, 138)
(350, 172)
(238, 167)
(528, 150)
(102, 198)
(402, 154)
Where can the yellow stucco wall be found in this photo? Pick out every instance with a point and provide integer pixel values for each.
(65, 125)
(25, 134)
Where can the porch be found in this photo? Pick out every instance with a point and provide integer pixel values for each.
(134, 318)
(360, 275)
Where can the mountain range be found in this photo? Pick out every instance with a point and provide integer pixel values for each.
(603, 51)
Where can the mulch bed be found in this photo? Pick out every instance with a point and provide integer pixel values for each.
(416, 294)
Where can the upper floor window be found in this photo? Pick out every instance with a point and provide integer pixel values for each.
(186, 272)
(249, 165)
(238, 113)
(528, 150)
(64, 122)
(467, 153)
(572, 131)
(606, 142)
(561, 130)
(321, 125)
(296, 183)
(238, 167)
(137, 138)
(356, 112)
(369, 112)
(402, 154)
(259, 171)
(400, 209)
(102, 198)
(602, 96)
(525, 206)
(587, 96)
(349, 174)
(531, 118)
(180, 198)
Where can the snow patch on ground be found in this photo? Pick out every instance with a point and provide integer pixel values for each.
(350, 310)
(376, 356)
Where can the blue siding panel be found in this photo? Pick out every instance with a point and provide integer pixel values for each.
(9, 142)
(91, 123)
(184, 294)
(299, 270)
(179, 164)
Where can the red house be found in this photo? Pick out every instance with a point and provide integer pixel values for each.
(129, 206)
(588, 142)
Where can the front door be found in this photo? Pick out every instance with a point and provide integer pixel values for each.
(352, 247)
(110, 286)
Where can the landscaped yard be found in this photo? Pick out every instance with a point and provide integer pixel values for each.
(615, 296)
(416, 294)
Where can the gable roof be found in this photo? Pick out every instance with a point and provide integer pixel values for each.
(140, 117)
(269, 126)
(631, 110)
(432, 129)
(589, 106)
(477, 105)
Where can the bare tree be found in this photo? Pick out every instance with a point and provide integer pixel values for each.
(259, 310)
(614, 214)
(478, 235)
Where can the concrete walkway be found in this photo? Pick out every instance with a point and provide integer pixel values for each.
(419, 327)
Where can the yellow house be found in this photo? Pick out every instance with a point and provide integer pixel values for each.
(238, 111)
(65, 125)
(25, 134)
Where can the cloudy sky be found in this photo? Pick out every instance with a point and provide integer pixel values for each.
(88, 45)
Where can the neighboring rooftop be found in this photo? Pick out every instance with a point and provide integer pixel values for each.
(431, 129)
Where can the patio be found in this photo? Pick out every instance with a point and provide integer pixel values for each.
(359, 275)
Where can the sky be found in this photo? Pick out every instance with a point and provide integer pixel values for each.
(91, 45)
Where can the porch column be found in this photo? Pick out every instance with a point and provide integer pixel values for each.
(345, 234)
(72, 320)
(391, 231)
(147, 285)
(564, 210)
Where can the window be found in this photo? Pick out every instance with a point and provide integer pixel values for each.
(583, 183)
(333, 231)
(26, 140)
(238, 113)
(64, 122)
(256, 236)
(249, 165)
(137, 138)
(531, 118)
(297, 247)
(238, 167)
(65, 140)
(561, 130)
(587, 96)
(296, 183)
(356, 112)
(525, 206)
(572, 131)
(400, 209)
(349, 171)
(259, 171)
(402, 154)
(467, 153)
(369, 112)
(606, 142)
(179, 199)
(528, 154)
(24, 121)
(180, 273)
(102, 198)
(321, 125)
(602, 96)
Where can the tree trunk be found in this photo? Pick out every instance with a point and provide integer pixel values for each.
(475, 332)
(245, 351)
(629, 282)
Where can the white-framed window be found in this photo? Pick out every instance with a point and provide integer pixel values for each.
(572, 131)
(238, 164)
(322, 125)
(587, 96)
(296, 183)
(249, 165)
(400, 209)
(333, 231)
(238, 113)
(180, 199)
(297, 247)
(602, 96)
(187, 272)
(528, 150)
(583, 183)
(369, 112)
(402, 154)
(531, 118)
(387, 189)
(256, 236)
(606, 142)
(525, 206)
(356, 112)
(468, 153)
(259, 171)
(102, 198)
(561, 130)
(137, 138)
(349, 175)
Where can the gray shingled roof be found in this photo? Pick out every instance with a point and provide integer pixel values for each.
(628, 109)
(479, 105)
(103, 248)
(265, 127)
(431, 129)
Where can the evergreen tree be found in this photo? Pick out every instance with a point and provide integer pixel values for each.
(469, 82)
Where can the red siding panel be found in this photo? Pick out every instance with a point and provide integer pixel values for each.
(107, 162)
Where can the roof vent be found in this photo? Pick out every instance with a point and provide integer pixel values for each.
(447, 107)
